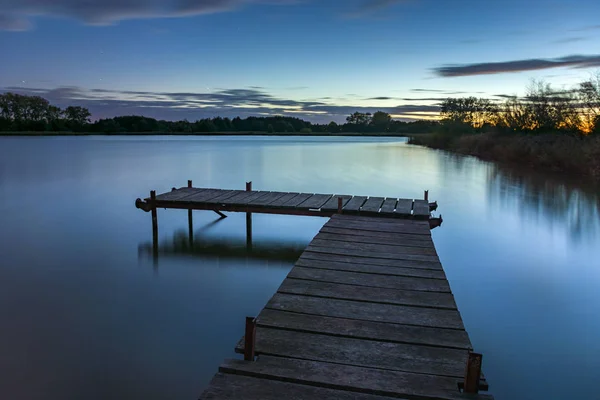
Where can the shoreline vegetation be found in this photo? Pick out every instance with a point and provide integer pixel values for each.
(547, 129)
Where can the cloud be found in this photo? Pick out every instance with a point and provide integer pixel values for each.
(368, 7)
(13, 23)
(574, 61)
(570, 40)
(105, 103)
(14, 15)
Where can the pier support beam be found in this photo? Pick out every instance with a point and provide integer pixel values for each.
(249, 338)
(340, 203)
(154, 225)
(249, 221)
(472, 373)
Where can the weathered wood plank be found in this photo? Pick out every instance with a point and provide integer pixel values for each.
(371, 330)
(379, 227)
(205, 195)
(404, 207)
(374, 247)
(421, 208)
(264, 200)
(360, 352)
(300, 198)
(398, 239)
(354, 204)
(332, 204)
(234, 387)
(371, 254)
(356, 379)
(369, 294)
(388, 205)
(371, 280)
(239, 198)
(372, 205)
(254, 196)
(283, 199)
(315, 201)
(178, 194)
(225, 196)
(405, 315)
(371, 269)
(427, 265)
(378, 219)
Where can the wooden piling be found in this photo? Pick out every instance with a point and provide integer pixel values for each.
(189, 183)
(426, 195)
(191, 227)
(154, 224)
(473, 373)
(249, 338)
(340, 203)
(249, 221)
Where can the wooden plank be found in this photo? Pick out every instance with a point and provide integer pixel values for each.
(404, 207)
(374, 247)
(360, 352)
(283, 199)
(239, 198)
(371, 269)
(371, 280)
(224, 196)
(376, 234)
(205, 195)
(372, 205)
(421, 208)
(371, 330)
(405, 315)
(315, 201)
(414, 229)
(365, 293)
(263, 201)
(378, 219)
(371, 254)
(389, 205)
(178, 194)
(253, 196)
(354, 204)
(428, 265)
(296, 200)
(396, 384)
(233, 387)
(350, 236)
(332, 204)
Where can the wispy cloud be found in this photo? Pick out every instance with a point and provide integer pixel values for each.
(105, 103)
(574, 61)
(570, 40)
(370, 7)
(15, 15)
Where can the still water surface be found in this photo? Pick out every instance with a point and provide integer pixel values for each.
(86, 313)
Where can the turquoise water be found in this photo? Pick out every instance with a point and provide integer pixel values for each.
(86, 312)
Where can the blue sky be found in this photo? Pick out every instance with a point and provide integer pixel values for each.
(319, 60)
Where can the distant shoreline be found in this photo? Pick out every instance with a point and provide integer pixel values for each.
(296, 134)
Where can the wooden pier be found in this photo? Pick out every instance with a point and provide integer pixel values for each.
(366, 312)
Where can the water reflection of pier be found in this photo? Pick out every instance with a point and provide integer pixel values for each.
(205, 246)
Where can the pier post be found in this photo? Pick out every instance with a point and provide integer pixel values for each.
(154, 225)
(190, 221)
(249, 221)
(249, 338)
(189, 183)
(473, 373)
(426, 195)
(340, 202)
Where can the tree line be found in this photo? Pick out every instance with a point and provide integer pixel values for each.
(20, 113)
(543, 109)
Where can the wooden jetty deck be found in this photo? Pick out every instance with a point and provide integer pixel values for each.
(366, 313)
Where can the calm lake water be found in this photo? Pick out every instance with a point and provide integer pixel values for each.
(86, 313)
